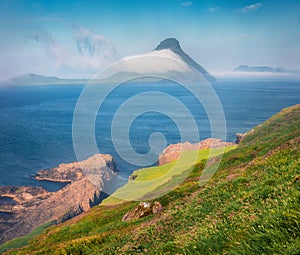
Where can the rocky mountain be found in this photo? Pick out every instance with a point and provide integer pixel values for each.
(37, 80)
(173, 45)
(166, 62)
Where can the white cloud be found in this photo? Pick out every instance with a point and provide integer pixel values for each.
(250, 8)
(155, 62)
(94, 45)
(213, 9)
(42, 36)
(46, 40)
(52, 17)
(235, 38)
(90, 53)
(186, 4)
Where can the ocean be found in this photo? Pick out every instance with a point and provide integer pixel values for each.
(36, 122)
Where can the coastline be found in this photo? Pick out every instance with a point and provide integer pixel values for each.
(39, 206)
(51, 180)
(33, 206)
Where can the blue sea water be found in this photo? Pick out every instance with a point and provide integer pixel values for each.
(36, 122)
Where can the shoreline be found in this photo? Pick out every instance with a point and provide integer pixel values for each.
(34, 205)
(37, 205)
(51, 180)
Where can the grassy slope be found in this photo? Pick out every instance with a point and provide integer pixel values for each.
(22, 241)
(138, 188)
(149, 179)
(251, 206)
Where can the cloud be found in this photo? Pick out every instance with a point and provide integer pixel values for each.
(94, 45)
(52, 16)
(89, 53)
(43, 37)
(147, 63)
(186, 4)
(213, 9)
(250, 8)
(46, 40)
(235, 38)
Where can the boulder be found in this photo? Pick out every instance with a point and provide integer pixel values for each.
(142, 210)
(239, 137)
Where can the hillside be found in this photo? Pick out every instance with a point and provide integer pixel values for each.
(251, 206)
(245, 68)
(39, 80)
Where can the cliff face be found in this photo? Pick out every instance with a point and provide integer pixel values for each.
(98, 168)
(173, 151)
(33, 206)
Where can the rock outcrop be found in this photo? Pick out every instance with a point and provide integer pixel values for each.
(142, 210)
(32, 206)
(239, 137)
(98, 166)
(173, 151)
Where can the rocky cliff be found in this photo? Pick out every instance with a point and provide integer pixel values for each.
(99, 165)
(173, 151)
(29, 207)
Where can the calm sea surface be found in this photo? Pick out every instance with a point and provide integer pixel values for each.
(36, 122)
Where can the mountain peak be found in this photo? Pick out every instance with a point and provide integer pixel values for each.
(169, 43)
(173, 45)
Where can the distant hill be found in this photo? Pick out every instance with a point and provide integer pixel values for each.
(245, 68)
(36, 80)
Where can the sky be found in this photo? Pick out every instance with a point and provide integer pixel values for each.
(79, 38)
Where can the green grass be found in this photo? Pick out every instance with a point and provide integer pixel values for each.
(250, 206)
(149, 179)
(22, 241)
